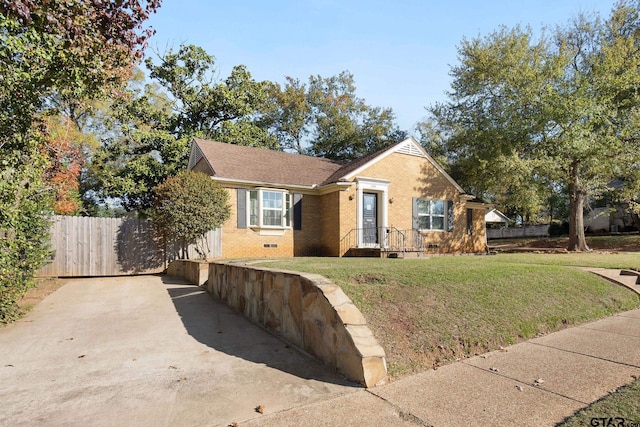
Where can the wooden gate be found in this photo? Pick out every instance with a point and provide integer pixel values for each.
(85, 246)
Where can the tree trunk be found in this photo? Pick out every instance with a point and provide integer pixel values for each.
(635, 220)
(185, 249)
(577, 196)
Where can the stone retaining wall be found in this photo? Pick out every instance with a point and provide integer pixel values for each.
(307, 310)
(192, 271)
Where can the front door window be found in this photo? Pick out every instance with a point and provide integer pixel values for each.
(370, 219)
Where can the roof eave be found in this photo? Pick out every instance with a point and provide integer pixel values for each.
(228, 182)
(335, 186)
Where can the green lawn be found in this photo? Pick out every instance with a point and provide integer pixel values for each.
(621, 260)
(619, 408)
(432, 311)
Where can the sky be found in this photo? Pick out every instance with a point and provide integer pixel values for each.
(400, 52)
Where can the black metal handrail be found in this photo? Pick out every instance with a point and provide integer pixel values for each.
(415, 240)
(388, 238)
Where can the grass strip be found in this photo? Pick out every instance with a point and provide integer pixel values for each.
(431, 311)
(619, 408)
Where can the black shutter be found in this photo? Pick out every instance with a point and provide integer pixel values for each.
(450, 215)
(469, 222)
(416, 223)
(297, 211)
(242, 207)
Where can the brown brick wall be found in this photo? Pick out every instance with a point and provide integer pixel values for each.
(479, 241)
(349, 211)
(248, 243)
(331, 233)
(459, 241)
(325, 220)
(413, 176)
(308, 240)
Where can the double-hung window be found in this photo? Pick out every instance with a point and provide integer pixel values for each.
(431, 214)
(270, 208)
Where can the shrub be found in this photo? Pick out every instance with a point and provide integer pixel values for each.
(557, 229)
(187, 206)
(24, 227)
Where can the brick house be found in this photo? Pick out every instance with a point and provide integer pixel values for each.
(395, 202)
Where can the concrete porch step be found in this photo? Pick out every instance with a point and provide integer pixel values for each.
(363, 253)
(404, 255)
(384, 253)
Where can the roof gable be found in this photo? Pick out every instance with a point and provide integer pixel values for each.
(494, 215)
(195, 156)
(408, 147)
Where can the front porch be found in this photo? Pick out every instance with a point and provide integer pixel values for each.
(383, 242)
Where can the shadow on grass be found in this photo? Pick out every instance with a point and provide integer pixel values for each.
(220, 328)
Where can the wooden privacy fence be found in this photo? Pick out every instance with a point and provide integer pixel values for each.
(85, 246)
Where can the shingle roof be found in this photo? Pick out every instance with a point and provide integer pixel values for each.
(239, 162)
(351, 166)
(232, 161)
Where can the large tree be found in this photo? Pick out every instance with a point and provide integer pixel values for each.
(345, 127)
(326, 118)
(153, 123)
(551, 111)
(70, 50)
(138, 150)
(290, 118)
(66, 148)
(226, 110)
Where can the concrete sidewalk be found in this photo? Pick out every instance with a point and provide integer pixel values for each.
(536, 383)
(629, 280)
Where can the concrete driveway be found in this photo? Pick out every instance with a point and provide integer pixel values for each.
(149, 351)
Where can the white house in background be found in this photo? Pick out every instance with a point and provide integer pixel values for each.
(494, 216)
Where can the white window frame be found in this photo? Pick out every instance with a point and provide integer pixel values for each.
(430, 214)
(257, 208)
